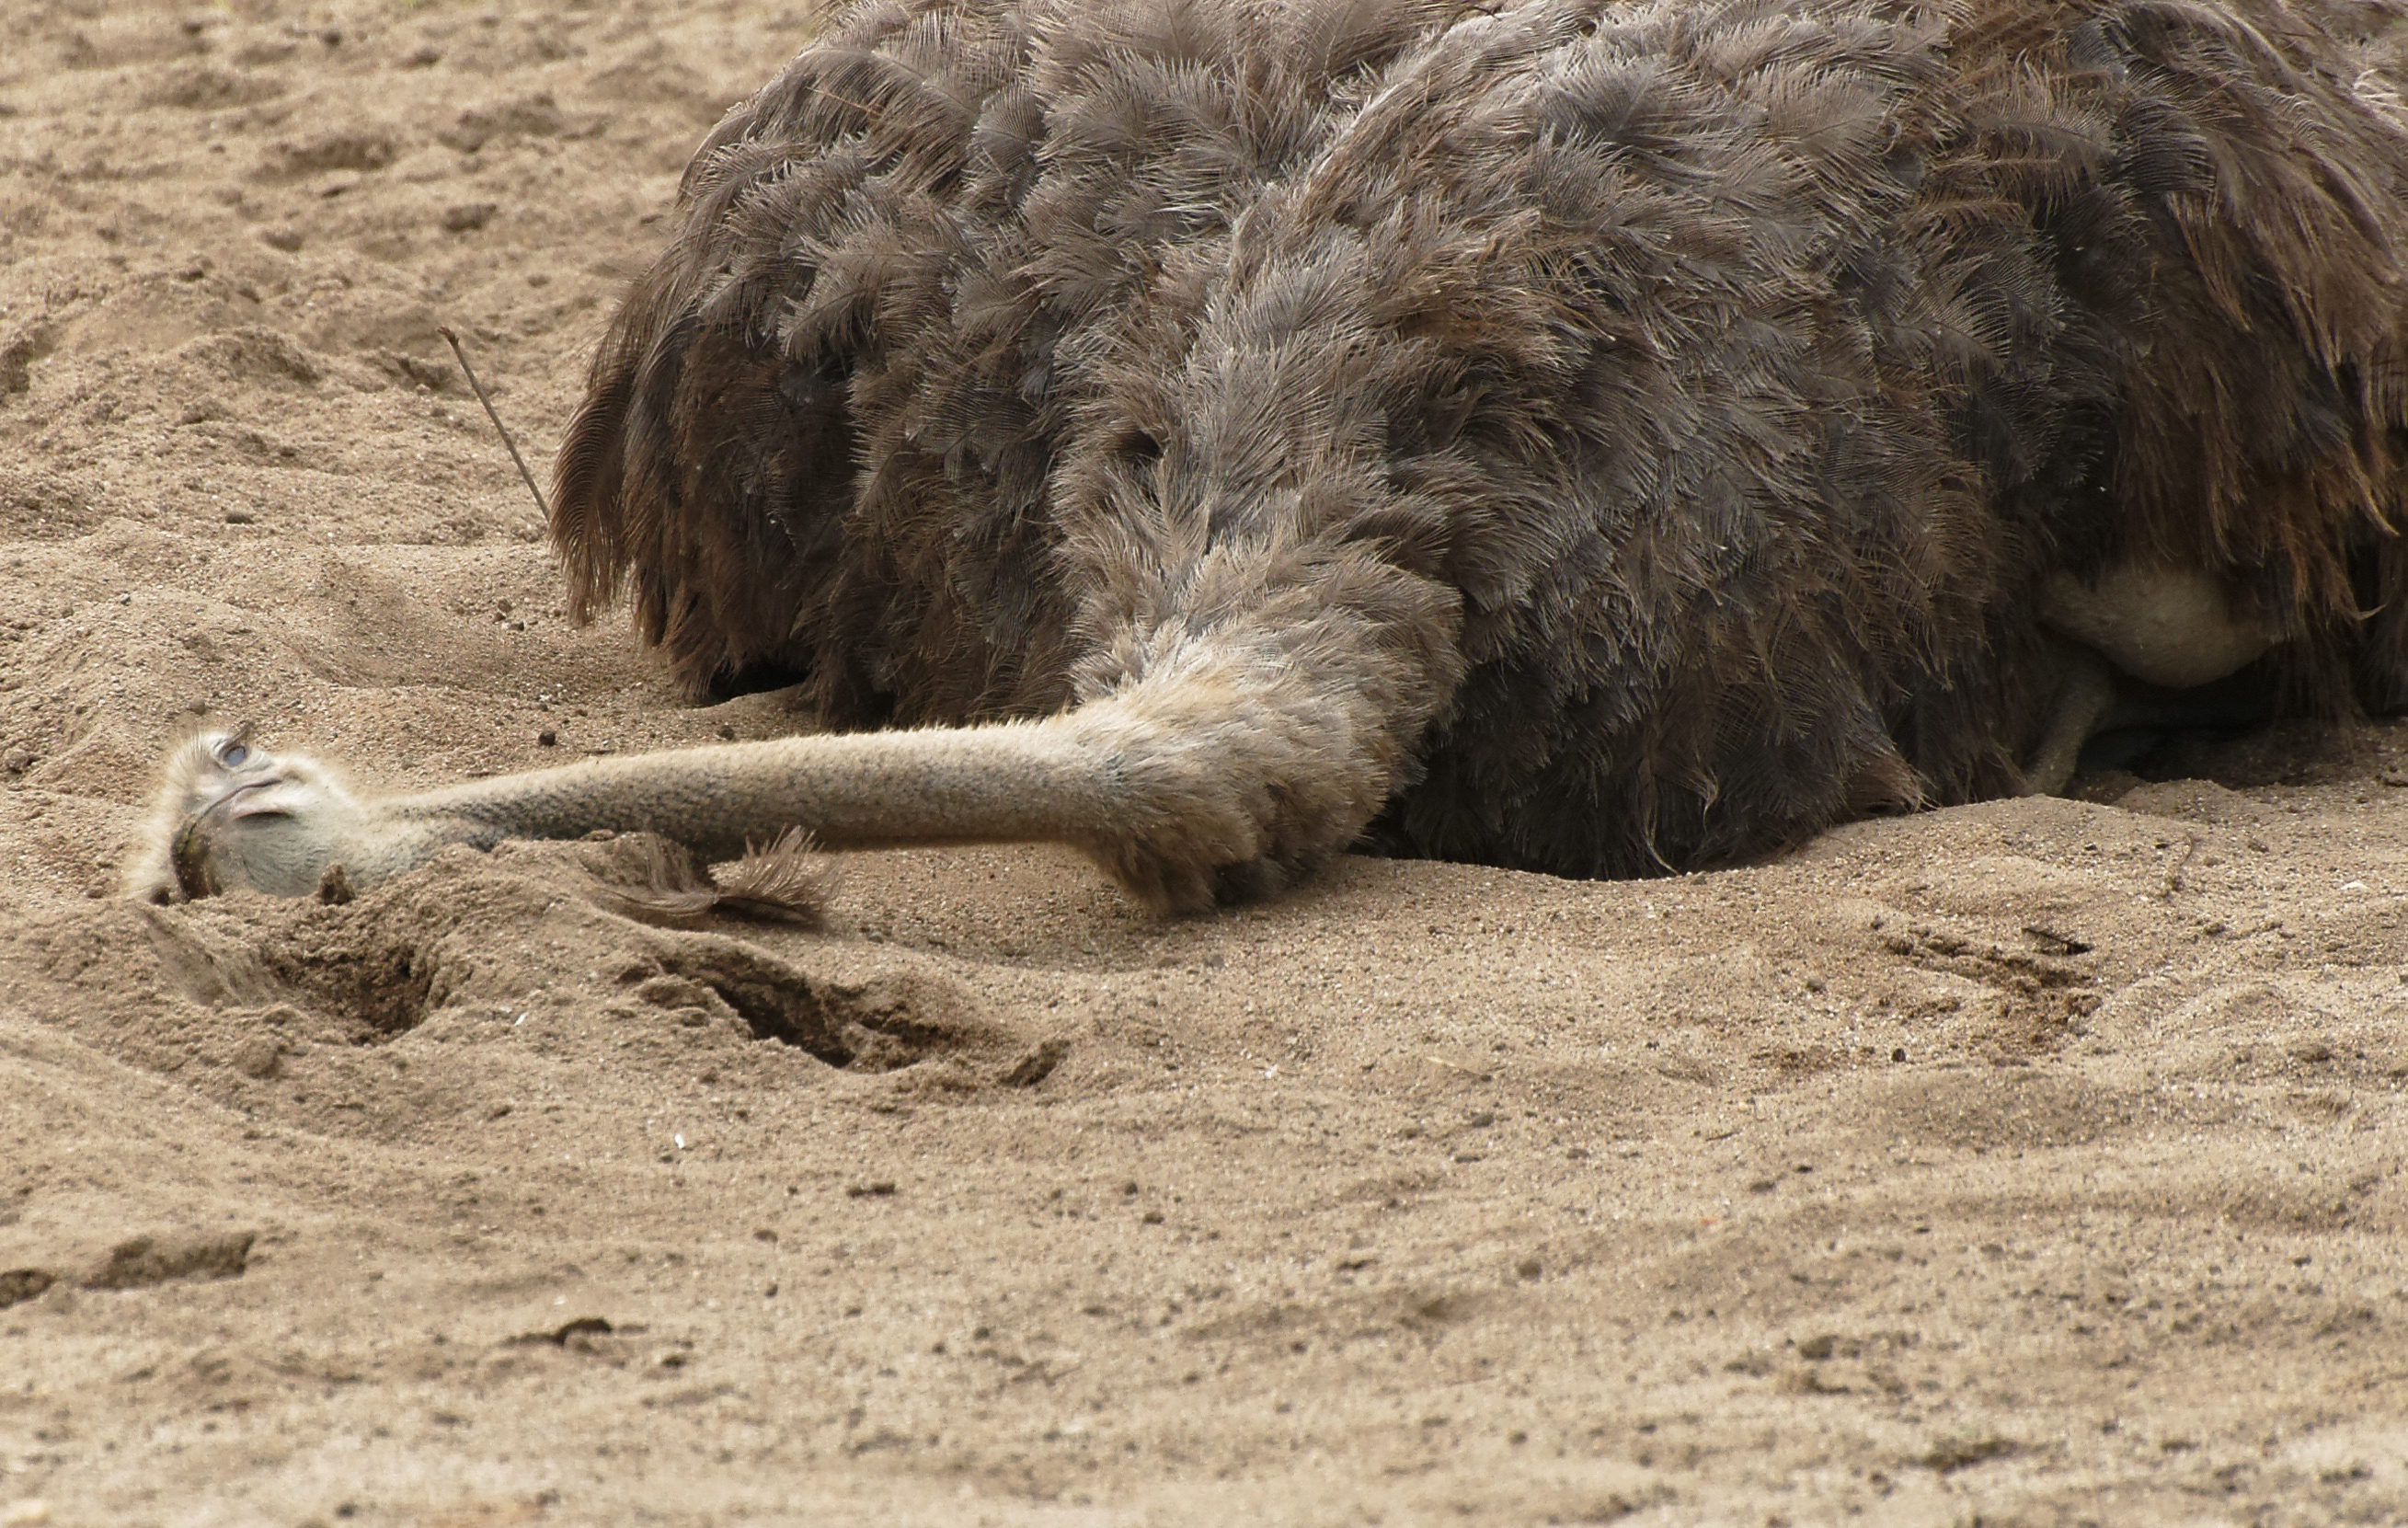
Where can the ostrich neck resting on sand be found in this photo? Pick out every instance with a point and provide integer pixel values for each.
(1182, 791)
(1592, 438)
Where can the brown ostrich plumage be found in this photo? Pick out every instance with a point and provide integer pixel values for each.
(1667, 409)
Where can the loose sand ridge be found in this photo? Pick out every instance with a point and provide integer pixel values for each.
(2039, 1160)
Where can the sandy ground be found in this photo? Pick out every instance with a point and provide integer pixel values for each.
(2035, 1163)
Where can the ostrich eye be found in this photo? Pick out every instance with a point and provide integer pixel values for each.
(234, 756)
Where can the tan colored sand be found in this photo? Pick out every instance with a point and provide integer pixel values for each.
(2036, 1163)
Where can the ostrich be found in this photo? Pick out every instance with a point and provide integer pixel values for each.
(1599, 436)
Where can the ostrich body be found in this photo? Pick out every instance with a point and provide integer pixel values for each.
(1596, 437)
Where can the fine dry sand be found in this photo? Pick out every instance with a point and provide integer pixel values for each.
(2037, 1162)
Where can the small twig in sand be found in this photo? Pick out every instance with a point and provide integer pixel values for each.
(2176, 880)
(462, 357)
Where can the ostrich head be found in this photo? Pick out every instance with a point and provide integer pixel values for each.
(232, 816)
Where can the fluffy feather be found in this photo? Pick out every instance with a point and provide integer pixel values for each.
(1630, 435)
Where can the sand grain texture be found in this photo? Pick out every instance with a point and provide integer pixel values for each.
(2037, 1162)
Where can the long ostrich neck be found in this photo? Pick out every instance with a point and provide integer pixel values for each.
(1229, 742)
(1016, 781)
